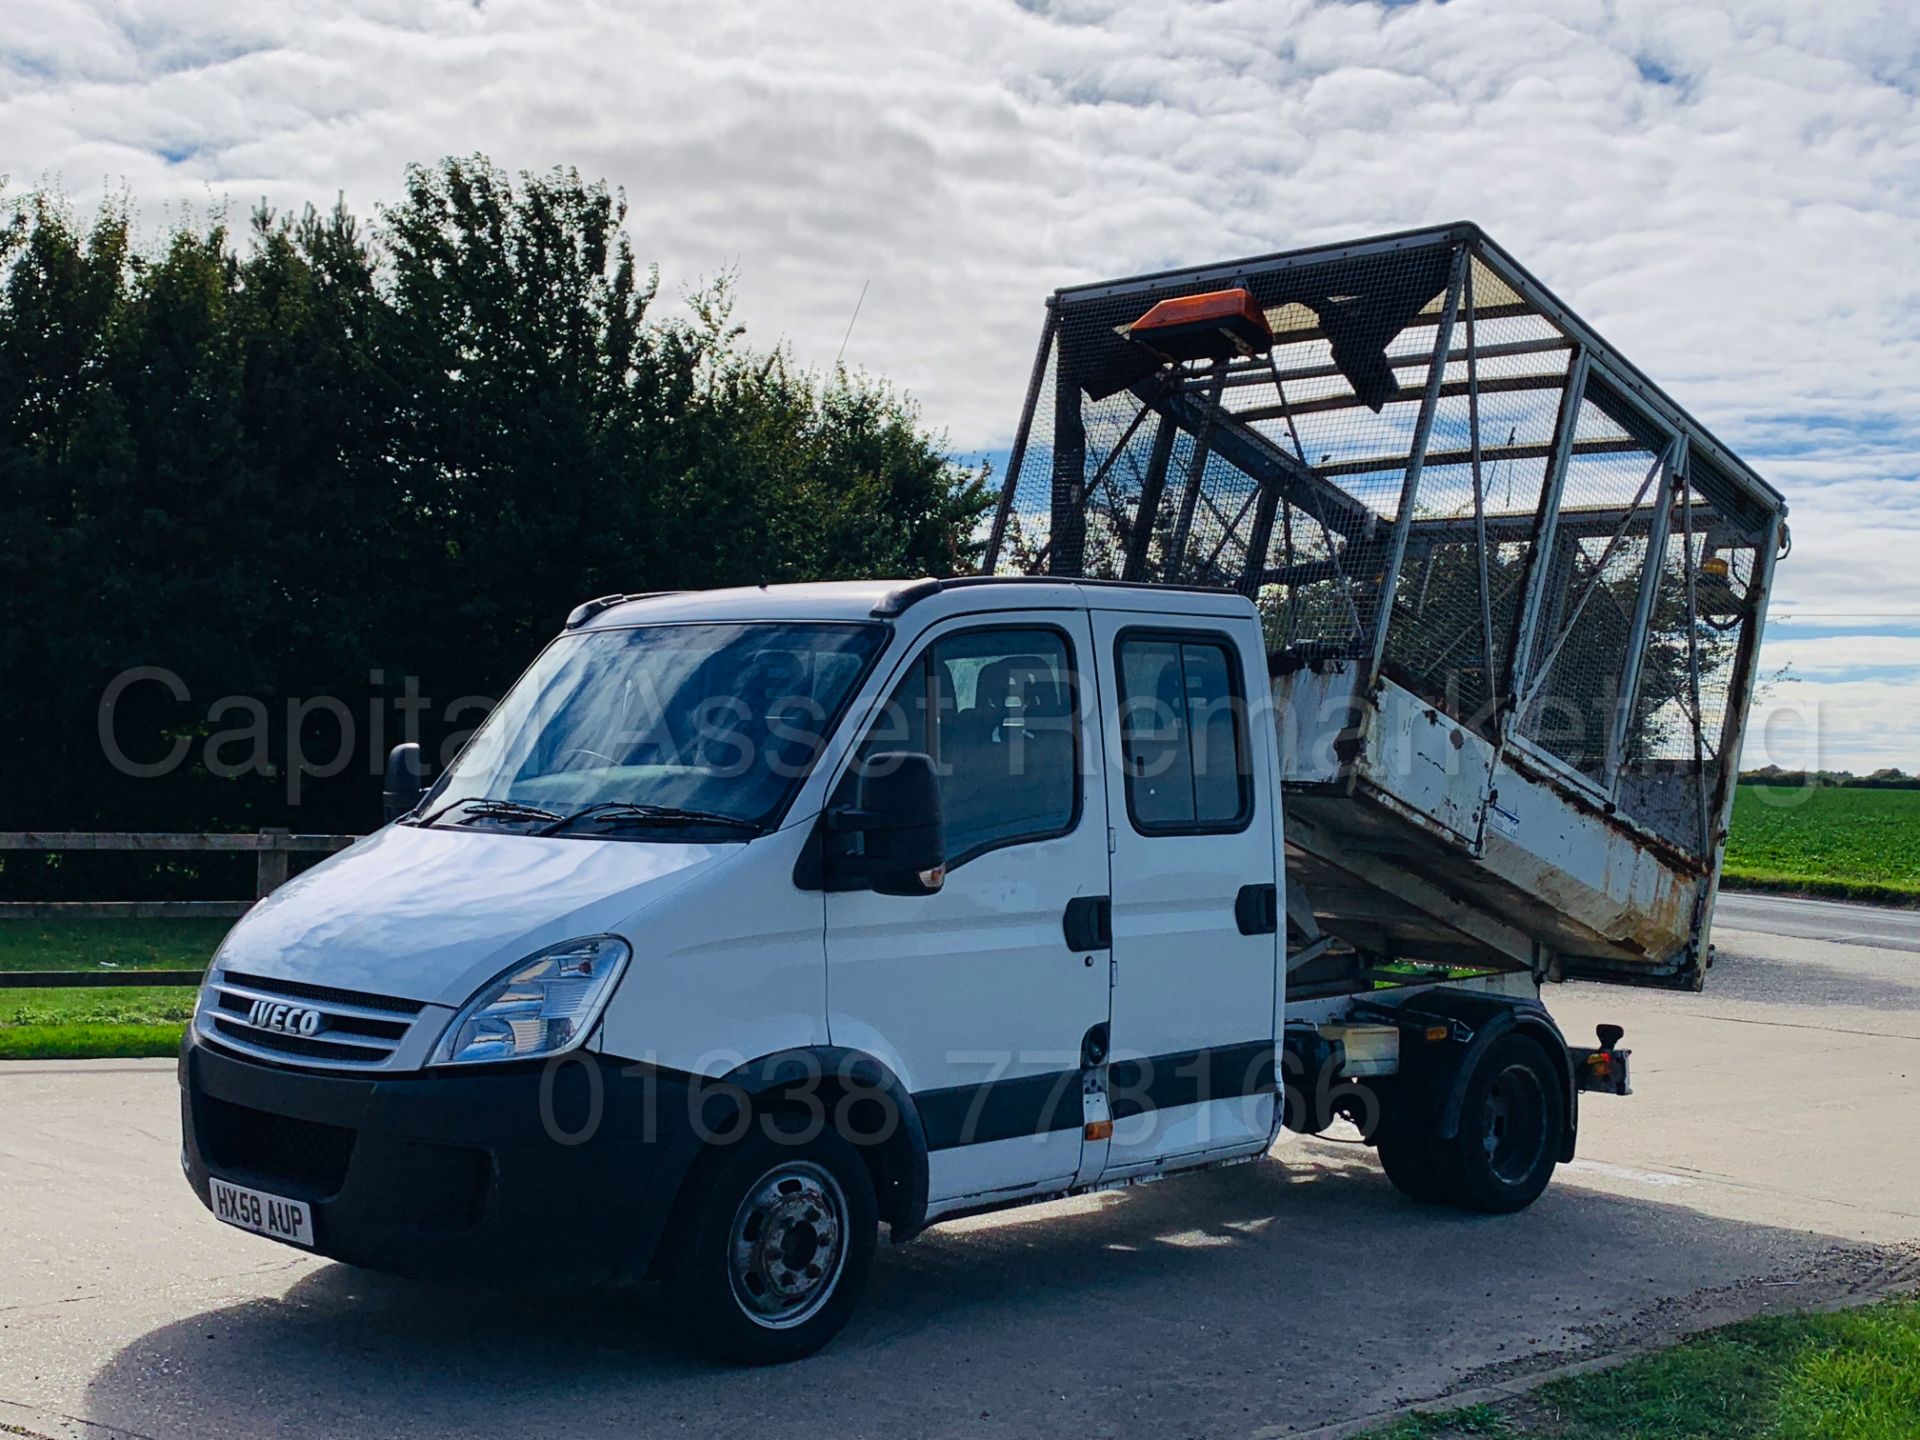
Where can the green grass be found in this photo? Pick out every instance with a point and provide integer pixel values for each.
(86, 1040)
(93, 944)
(1854, 1375)
(100, 1022)
(93, 1021)
(1848, 843)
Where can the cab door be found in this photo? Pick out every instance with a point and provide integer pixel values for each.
(1194, 913)
(973, 994)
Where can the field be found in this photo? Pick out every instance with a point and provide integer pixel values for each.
(1854, 1375)
(97, 1021)
(109, 944)
(1847, 843)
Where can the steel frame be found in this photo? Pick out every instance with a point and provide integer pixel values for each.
(1416, 459)
(1536, 297)
(1364, 553)
(1265, 537)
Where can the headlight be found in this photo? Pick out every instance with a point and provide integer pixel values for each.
(542, 1006)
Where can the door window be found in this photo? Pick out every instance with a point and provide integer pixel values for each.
(1182, 735)
(996, 711)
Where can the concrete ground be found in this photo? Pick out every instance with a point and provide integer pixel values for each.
(1768, 1160)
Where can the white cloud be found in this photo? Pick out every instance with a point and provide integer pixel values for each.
(1732, 194)
(1858, 725)
(1829, 655)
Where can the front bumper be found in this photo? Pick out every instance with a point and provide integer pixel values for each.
(562, 1173)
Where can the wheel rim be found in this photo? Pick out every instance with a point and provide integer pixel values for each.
(788, 1244)
(1515, 1127)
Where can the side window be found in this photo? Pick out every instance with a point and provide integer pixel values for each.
(1182, 735)
(995, 709)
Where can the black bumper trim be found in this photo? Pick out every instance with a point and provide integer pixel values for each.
(564, 1173)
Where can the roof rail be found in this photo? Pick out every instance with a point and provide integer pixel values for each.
(587, 610)
(899, 601)
(912, 593)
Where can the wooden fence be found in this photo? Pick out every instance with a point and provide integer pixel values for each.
(272, 849)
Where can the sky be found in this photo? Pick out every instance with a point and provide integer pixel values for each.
(1728, 193)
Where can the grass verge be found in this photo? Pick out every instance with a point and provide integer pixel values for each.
(109, 944)
(1819, 886)
(90, 1023)
(1851, 1375)
(105, 1022)
(85, 1041)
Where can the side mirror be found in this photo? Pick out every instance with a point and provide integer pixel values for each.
(402, 790)
(898, 819)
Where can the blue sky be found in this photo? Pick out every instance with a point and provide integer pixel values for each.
(1730, 192)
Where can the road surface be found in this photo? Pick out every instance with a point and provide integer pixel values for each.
(1768, 1160)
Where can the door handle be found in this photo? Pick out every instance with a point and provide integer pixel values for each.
(1093, 1047)
(1088, 922)
(1256, 909)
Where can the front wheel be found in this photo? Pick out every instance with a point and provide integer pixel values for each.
(772, 1248)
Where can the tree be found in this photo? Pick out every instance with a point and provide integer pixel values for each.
(311, 458)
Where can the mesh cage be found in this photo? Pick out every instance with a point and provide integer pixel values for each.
(1702, 620)
(1277, 474)
(1470, 544)
(1431, 469)
(1577, 671)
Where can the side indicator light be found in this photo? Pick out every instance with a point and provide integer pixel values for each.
(1100, 1130)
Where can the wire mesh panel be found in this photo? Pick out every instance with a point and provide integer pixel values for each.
(1702, 620)
(1470, 545)
(1405, 449)
(1276, 469)
(1614, 483)
(1020, 551)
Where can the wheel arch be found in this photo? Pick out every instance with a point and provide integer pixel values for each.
(817, 1079)
(1490, 1017)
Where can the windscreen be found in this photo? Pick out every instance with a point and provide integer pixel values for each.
(665, 728)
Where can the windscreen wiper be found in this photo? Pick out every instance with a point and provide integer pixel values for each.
(624, 812)
(482, 808)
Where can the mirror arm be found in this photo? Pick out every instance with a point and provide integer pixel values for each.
(852, 820)
(849, 819)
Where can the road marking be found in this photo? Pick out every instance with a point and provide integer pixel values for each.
(1801, 1025)
(1658, 1178)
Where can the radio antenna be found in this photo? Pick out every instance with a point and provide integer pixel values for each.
(856, 315)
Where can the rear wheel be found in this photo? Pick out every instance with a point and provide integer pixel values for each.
(1408, 1160)
(772, 1247)
(1512, 1122)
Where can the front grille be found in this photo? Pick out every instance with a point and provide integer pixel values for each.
(240, 1032)
(345, 1029)
(299, 989)
(343, 1024)
(275, 1147)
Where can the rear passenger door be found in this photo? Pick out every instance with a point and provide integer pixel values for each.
(1195, 949)
(972, 994)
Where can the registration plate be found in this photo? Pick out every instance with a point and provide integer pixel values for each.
(264, 1214)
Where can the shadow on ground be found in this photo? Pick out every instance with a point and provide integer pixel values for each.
(1277, 1295)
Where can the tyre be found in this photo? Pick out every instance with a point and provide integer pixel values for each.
(771, 1246)
(1408, 1160)
(1511, 1125)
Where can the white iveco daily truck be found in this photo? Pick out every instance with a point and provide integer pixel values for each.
(1366, 646)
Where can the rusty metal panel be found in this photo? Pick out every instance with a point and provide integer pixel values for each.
(1427, 764)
